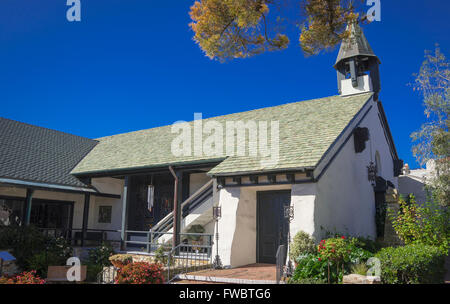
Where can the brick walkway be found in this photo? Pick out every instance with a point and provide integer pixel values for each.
(254, 272)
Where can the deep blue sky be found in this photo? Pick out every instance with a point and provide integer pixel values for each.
(131, 65)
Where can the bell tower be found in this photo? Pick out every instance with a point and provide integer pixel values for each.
(357, 65)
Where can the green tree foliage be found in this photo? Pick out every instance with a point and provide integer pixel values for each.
(227, 29)
(427, 224)
(433, 139)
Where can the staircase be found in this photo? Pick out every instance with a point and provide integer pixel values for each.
(196, 210)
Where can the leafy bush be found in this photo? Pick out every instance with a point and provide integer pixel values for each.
(411, 264)
(140, 273)
(100, 255)
(310, 266)
(335, 258)
(358, 254)
(302, 244)
(427, 224)
(25, 242)
(29, 277)
(92, 272)
(56, 253)
(160, 255)
(366, 244)
(33, 250)
(60, 249)
(40, 262)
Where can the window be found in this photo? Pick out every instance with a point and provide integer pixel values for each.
(104, 214)
(378, 163)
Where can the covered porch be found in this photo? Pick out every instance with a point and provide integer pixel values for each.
(57, 211)
(159, 206)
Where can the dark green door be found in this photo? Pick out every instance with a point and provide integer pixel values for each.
(272, 227)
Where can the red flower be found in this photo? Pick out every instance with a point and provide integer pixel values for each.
(320, 259)
(343, 237)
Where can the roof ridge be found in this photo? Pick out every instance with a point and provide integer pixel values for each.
(221, 116)
(45, 128)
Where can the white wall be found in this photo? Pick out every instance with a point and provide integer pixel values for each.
(303, 197)
(342, 201)
(411, 185)
(237, 227)
(110, 186)
(196, 181)
(345, 201)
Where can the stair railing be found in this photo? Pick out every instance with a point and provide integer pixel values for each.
(167, 222)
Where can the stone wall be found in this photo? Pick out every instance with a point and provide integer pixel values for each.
(360, 279)
(390, 236)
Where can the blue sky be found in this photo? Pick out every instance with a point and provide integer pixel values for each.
(131, 65)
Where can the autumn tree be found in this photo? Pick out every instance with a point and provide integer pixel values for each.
(433, 139)
(227, 29)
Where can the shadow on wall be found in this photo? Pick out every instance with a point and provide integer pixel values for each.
(408, 185)
(244, 237)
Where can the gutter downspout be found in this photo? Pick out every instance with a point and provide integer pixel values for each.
(176, 213)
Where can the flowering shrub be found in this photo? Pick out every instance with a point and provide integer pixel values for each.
(29, 277)
(140, 273)
(334, 250)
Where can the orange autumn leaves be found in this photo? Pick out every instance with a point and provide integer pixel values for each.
(227, 29)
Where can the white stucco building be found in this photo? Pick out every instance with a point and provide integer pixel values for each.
(335, 160)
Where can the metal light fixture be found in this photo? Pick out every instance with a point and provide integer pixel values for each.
(289, 216)
(372, 173)
(217, 214)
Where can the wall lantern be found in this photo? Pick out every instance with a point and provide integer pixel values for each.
(217, 214)
(372, 173)
(289, 216)
(289, 213)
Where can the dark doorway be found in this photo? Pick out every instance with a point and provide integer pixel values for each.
(272, 227)
(52, 214)
(380, 189)
(140, 216)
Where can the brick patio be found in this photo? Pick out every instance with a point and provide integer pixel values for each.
(249, 274)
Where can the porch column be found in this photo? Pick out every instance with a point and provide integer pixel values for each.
(87, 199)
(28, 204)
(177, 200)
(125, 195)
